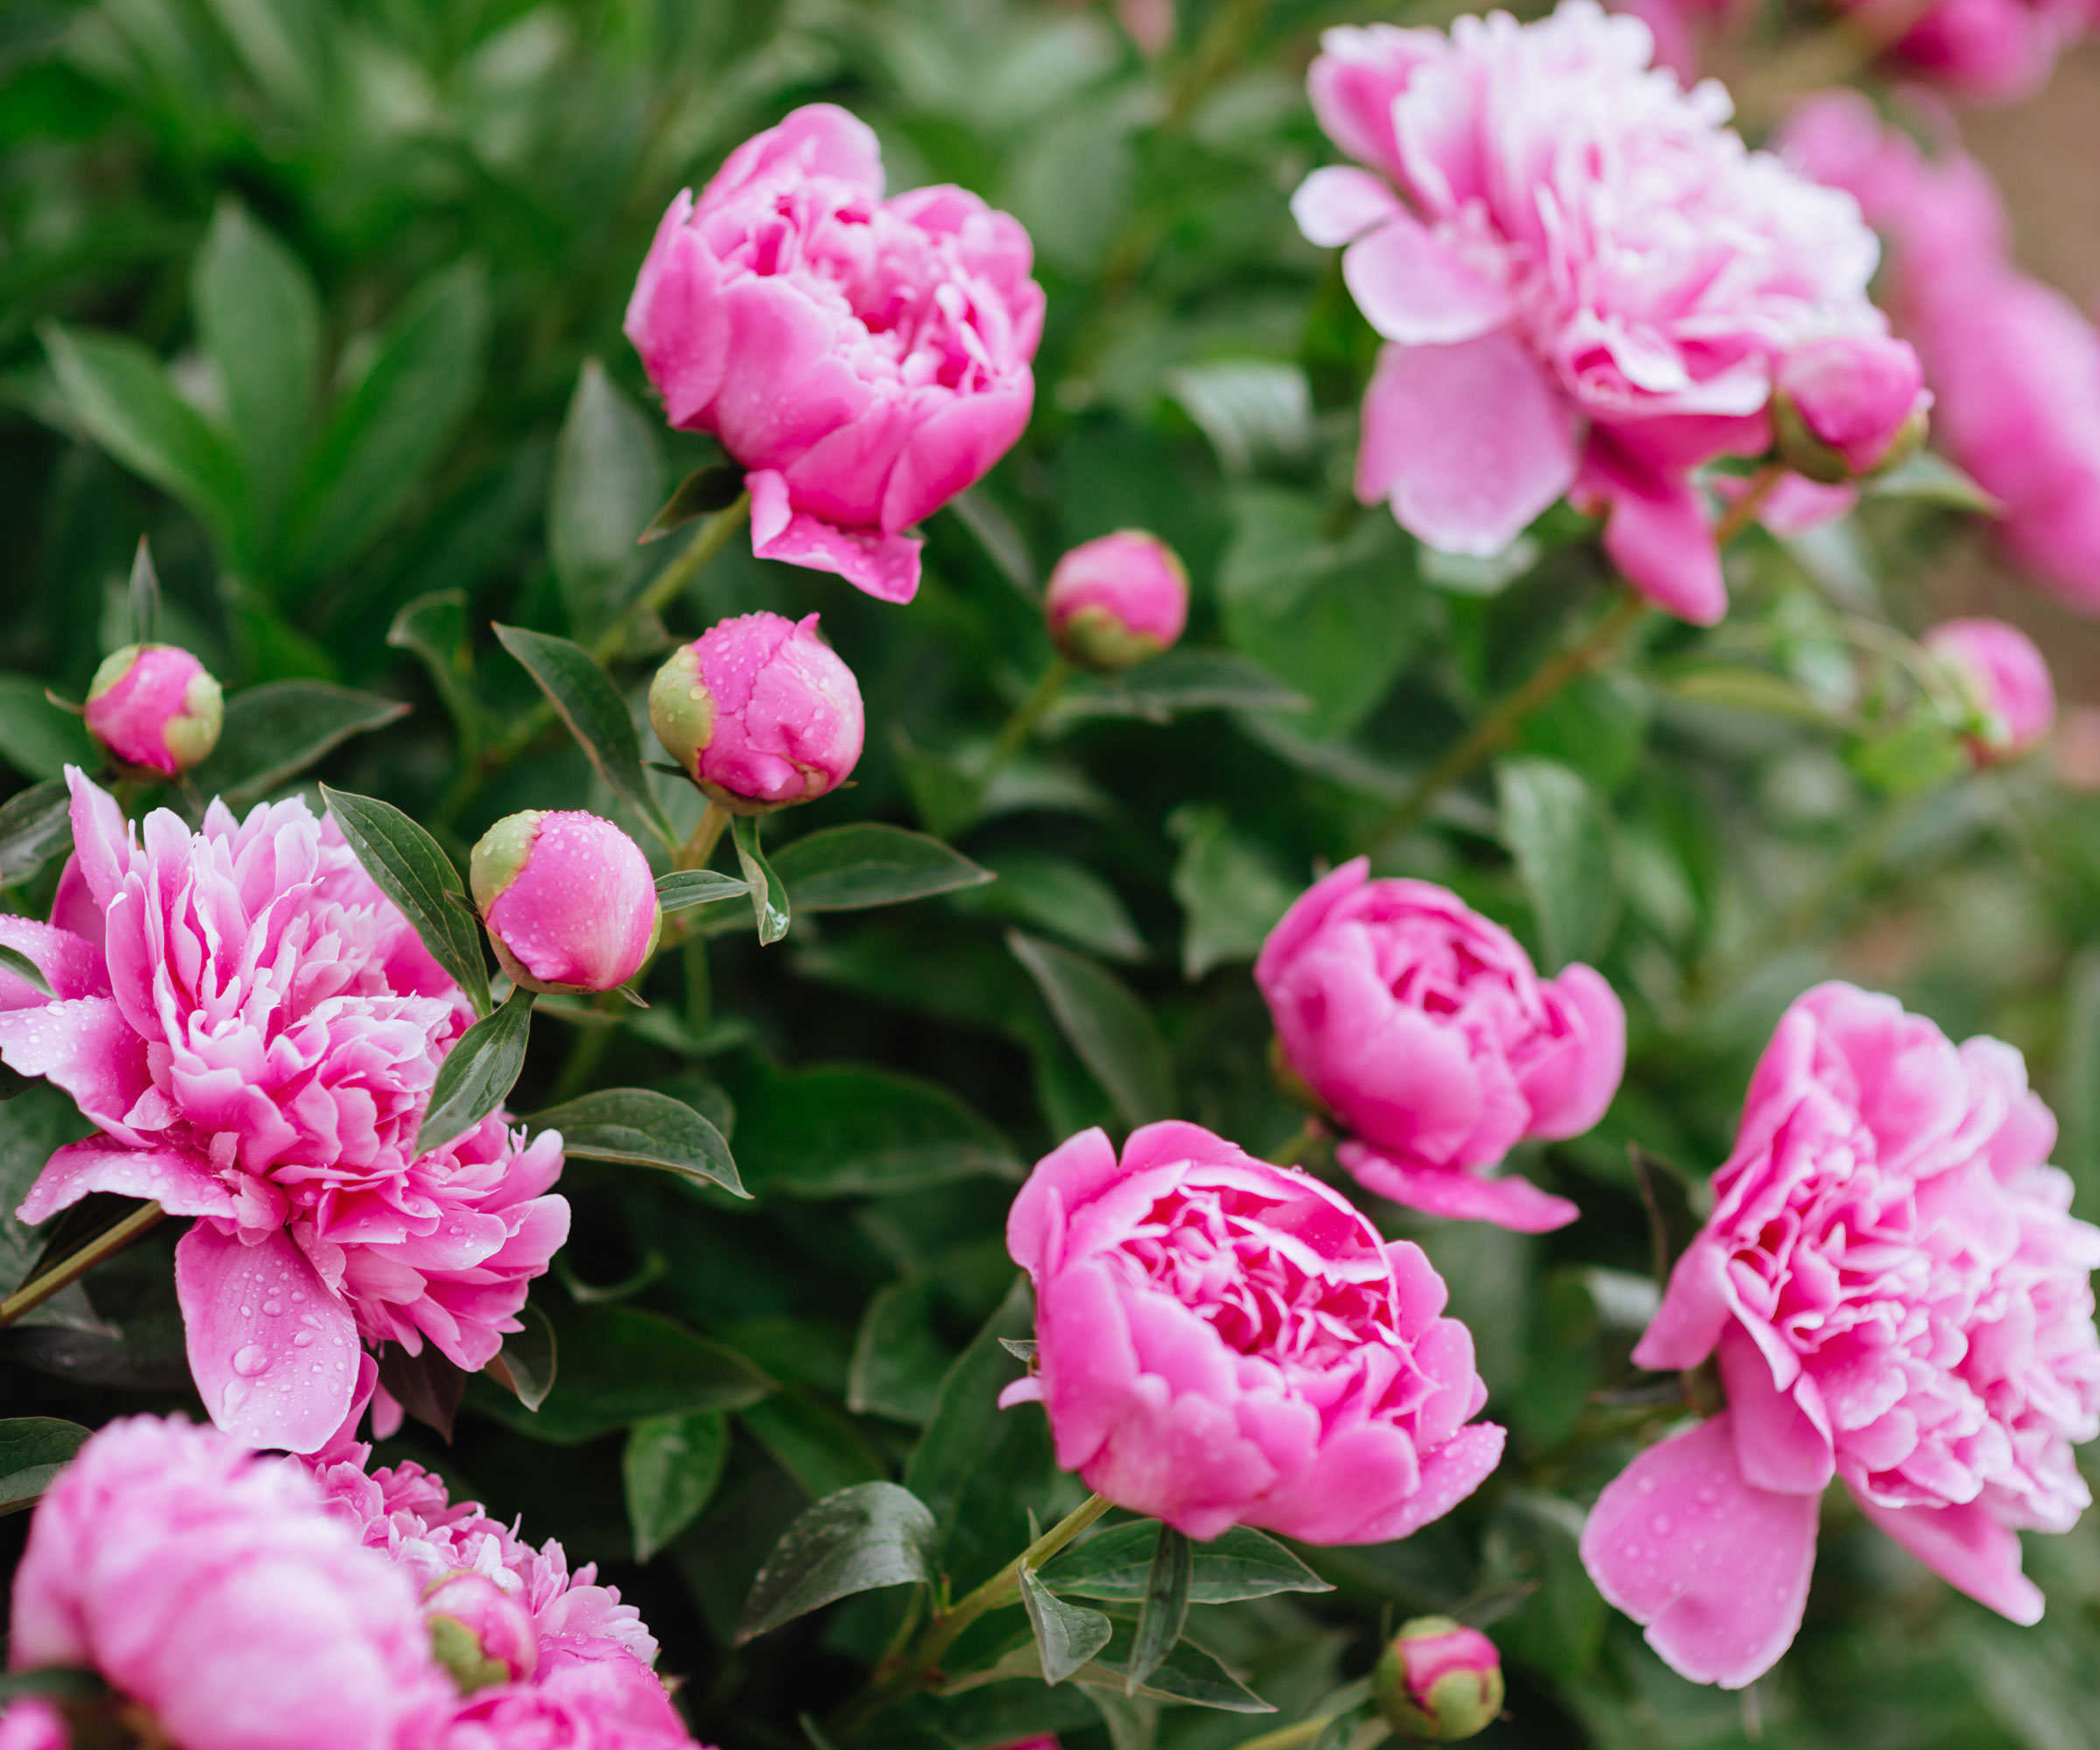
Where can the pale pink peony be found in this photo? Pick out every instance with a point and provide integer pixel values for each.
(2003, 678)
(1898, 1297)
(1584, 280)
(154, 706)
(210, 1586)
(255, 1030)
(567, 898)
(864, 360)
(1116, 600)
(1224, 1343)
(1424, 1028)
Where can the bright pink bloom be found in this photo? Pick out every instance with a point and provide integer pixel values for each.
(761, 712)
(1584, 279)
(1224, 1343)
(865, 358)
(154, 705)
(1847, 405)
(2000, 673)
(1899, 1298)
(567, 898)
(1117, 600)
(255, 1029)
(210, 1586)
(1427, 1032)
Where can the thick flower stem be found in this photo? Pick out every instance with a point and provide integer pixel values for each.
(695, 851)
(1486, 737)
(1737, 517)
(66, 1271)
(1030, 712)
(947, 1626)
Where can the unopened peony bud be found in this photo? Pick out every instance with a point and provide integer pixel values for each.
(479, 1632)
(568, 899)
(761, 712)
(1438, 1680)
(2002, 676)
(154, 706)
(1117, 600)
(1848, 405)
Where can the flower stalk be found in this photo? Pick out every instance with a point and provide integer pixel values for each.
(69, 1271)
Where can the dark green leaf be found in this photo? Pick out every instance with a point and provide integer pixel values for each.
(428, 1385)
(608, 474)
(874, 1534)
(850, 868)
(647, 1129)
(35, 826)
(1231, 895)
(898, 1360)
(1065, 897)
(408, 866)
(583, 695)
(1559, 835)
(1188, 1674)
(477, 1073)
(710, 487)
(1175, 684)
(1066, 1635)
(525, 1365)
(768, 892)
(686, 888)
(1116, 1564)
(276, 730)
(1003, 544)
(38, 738)
(1109, 1027)
(145, 596)
(13, 960)
(33, 1450)
(671, 1467)
(58, 1682)
(850, 1130)
(1165, 1612)
(812, 1442)
(433, 627)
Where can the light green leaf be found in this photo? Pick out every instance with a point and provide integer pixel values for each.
(874, 1534)
(410, 869)
(1936, 480)
(583, 695)
(37, 737)
(1255, 411)
(1557, 832)
(608, 475)
(646, 1128)
(684, 888)
(1066, 1635)
(1108, 1026)
(850, 868)
(768, 892)
(274, 732)
(1116, 1564)
(477, 1073)
(145, 596)
(671, 1467)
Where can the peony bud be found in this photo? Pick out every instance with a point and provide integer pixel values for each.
(1117, 600)
(479, 1632)
(1438, 1680)
(1848, 405)
(567, 898)
(154, 706)
(2000, 675)
(761, 712)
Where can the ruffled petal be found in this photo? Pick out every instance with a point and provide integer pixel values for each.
(181, 1182)
(1965, 1547)
(1337, 203)
(1414, 290)
(884, 566)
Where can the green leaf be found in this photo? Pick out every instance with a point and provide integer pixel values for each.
(1116, 1564)
(768, 892)
(389, 432)
(1108, 1026)
(1188, 1674)
(1065, 897)
(1231, 895)
(645, 1129)
(898, 1360)
(874, 1534)
(608, 474)
(36, 824)
(1932, 478)
(477, 1073)
(38, 738)
(684, 888)
(525, 1365)
(710, 487)
(850, 868)
(1066, 1635)
(33, 1450)
(812, 1442)
(122, 398)
(1175, 684)
(408, 866)
(145, 596)
(1758, 690)
(59, 1683)
(583, 695)
(276, 730)
(1559, 836)
(671, 1469)
(1910, 760)
(433, 628)
(429, 1385)
(13, 960)
(855, 1130)
(1165, 1612)
(1255, 411)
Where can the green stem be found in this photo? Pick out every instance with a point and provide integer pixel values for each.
(699, 987)
(66, 1271)
(670, 584)
(1309, 1136)
(695, 853)
(1024, 720)
(1737, 517)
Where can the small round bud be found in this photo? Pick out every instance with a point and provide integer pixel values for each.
(567, 898)
(1116, 601)
(1438, 1680)
(1848, 405)
(761, 712)
(154, 706)
(2003, 678)
(479, 1632)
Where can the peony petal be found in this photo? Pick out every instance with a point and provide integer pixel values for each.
(1783, 1438)
(884, 566)
(953, 449)
(181, 1182)
(1337, 203)
(1696, 1308)
(1965, 1547)
(1414, 290)
(676, 319)
(101, 840)
(1578, 1084)
(1512, 1202)
(86, 1048)
(1066, 1179)
(1658, 536)
(1449, 1474)
(818, 139)
(71, 966)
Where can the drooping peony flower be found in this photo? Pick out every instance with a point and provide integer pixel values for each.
(567, 898)
(1116, 600)
(1224, 1343)
(864, 360)
(1899, 1298)
(210, 1588)
(2003, 678)
(1584, 280)
(1426, 1031)
(156, 707)
(255, 1029)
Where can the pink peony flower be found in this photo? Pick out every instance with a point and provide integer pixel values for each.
(1898, 1297)
(1117, 600)
(210, 1588)
(154, 706)
(1222, 1342)
(479, 1632)
(1849, 404)
(1438, 1680)
(1424, 1028)
(256, 1030)
(2005, 677)
(567, 898)
(592, 1700)
(761, 712)
(33, 1724)
(1999, 50)
(1584, 280)
(865, 358)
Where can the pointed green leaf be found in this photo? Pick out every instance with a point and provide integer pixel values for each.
(1557, 832)
(1165, 1612)
(477, 1073)
(1064, 897)
(1108, 1026)
(274, 732)
(646, 1128)
(410, 868)
(684, 888)
(433, 628)
(712, 487)
(852, 1129)
(35, 825)
(145, 596)
(850, 868)
(583, 695)
(768, 892)
(525, 1365)
(874, 1534)
(1115, 1566)
(1066, 1635)
(38, 738)
(13, 960)
(1231, 895)
(670, 1468)
(608, 475)
(898, 1361)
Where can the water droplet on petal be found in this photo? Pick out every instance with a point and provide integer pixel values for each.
(301, 1339)
(1663, 1524)
(248, 1361)
(273, 1307)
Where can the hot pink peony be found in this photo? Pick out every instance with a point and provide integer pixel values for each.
(1584, 279)
(1117, 600)
(1224, 1343)
(1898, 1297)
(865, 358)
(567, 898)
(1426, 1031)
(210, 1588)
(2003, 678)
(592, 1700)
(1999, 50)
(154, 706)
(256, 1030)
